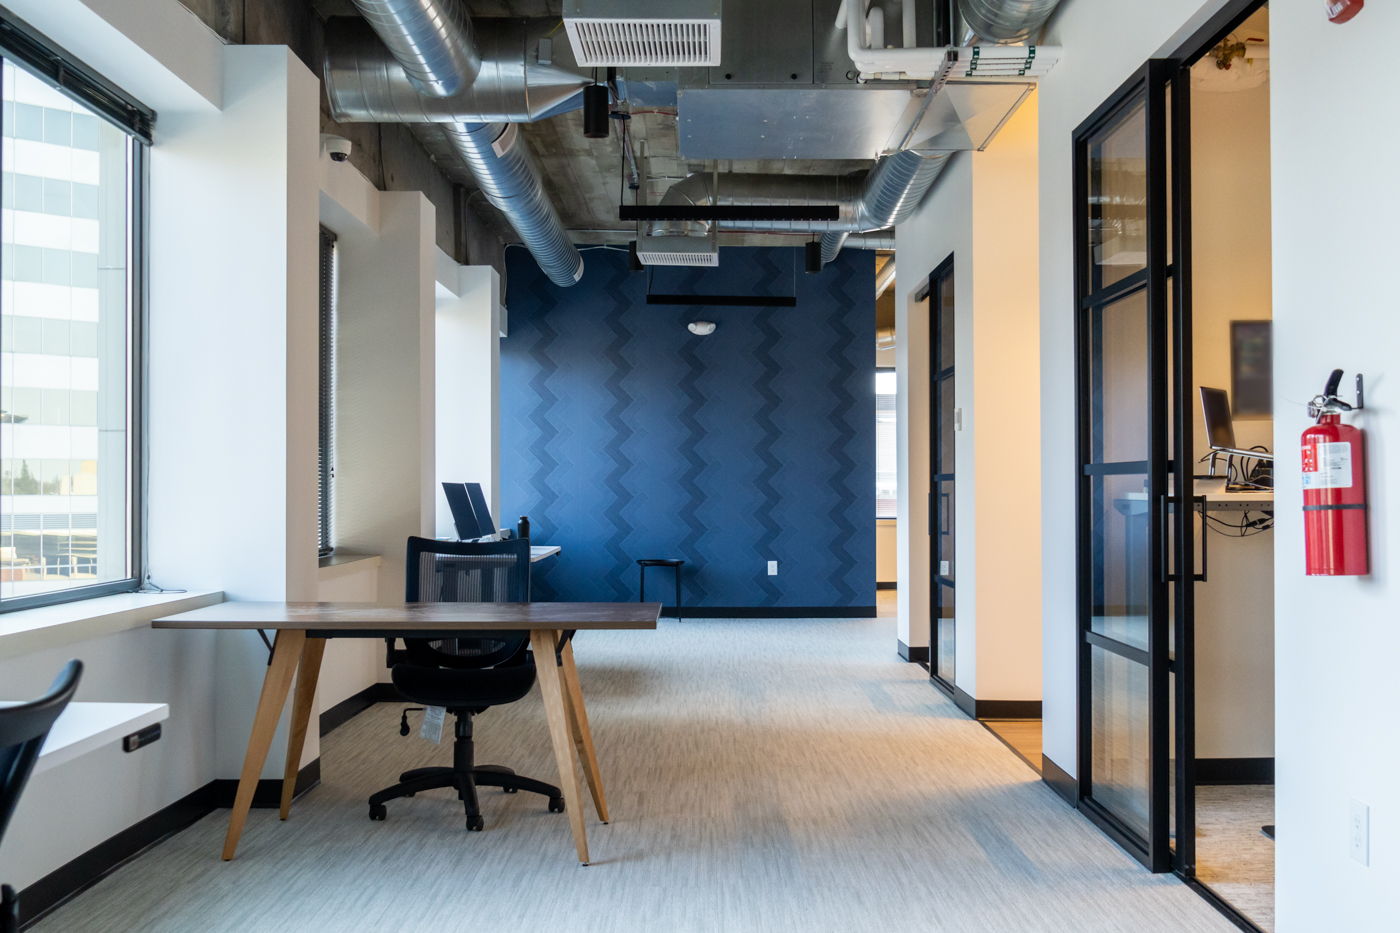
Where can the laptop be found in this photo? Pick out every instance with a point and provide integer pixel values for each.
(463, 515)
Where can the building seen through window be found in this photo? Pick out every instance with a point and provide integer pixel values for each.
(65, 344)
(886, 455)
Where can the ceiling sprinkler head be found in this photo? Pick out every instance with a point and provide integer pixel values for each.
(701, 328)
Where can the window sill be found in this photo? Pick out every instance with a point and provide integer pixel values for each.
(28, 630)
(343, 563)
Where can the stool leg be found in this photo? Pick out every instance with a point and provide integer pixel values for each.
(678, 593)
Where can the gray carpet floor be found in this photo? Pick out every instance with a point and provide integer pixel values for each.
(763, 775)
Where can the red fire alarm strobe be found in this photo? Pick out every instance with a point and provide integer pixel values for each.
(1339, 11)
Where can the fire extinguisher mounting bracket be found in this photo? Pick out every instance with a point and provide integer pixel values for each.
(1329, 404)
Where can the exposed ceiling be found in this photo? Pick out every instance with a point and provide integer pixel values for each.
(583, 176)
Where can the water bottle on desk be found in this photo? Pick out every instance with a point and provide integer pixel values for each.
(522, 527)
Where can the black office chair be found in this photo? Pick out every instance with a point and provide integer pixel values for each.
(23, 729)
(468, 674)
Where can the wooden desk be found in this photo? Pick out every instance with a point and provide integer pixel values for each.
(302, 630)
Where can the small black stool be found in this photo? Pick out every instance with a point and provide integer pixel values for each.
(662, 562)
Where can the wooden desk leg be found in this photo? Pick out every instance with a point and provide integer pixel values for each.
(543, 642)
(583, 736)
(307, 674)
(286, 652)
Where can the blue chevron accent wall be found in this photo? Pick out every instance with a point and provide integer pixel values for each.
(624, 436)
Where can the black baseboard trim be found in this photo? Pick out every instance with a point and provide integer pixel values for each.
(1060, 781)
(995, 709)
(352, 706)
(887, 585)
(1234, 771)
(912, 655)
(777, 612)
(63, 884)
(268, 795)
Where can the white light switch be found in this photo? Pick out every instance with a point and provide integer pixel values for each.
(957, 419)
(772, 568)
(1360, 834)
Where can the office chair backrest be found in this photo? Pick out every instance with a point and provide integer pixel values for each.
(467, 572)
(23, 729)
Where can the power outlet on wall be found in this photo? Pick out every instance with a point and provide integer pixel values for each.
(772, 568)
(1359, 832)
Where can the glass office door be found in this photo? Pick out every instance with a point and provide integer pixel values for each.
(942, 501)
(942, 455)
(1124, 345)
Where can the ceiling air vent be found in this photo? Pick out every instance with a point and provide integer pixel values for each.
(643, 33)
(678, 251)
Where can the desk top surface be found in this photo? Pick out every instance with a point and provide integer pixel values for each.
(346, 617)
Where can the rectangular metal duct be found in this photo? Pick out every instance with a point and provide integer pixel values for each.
(643, 33)
(678, 251)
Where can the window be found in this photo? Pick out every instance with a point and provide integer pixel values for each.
(70, 291)
(886, 455)
(325, 455)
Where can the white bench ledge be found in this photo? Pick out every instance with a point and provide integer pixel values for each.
(342, 564)
(84, 727)
(29, 630)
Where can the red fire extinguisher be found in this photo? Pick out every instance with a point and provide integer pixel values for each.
(1334, 486)
(1339, 11)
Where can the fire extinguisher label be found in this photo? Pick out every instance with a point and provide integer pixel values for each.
(1327, 466)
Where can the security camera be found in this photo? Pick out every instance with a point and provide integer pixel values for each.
(337, 147)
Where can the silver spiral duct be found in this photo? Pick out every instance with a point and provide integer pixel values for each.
(366, 84)
(501, 160)
(832, 243)
(431, 39)
(1006, 22)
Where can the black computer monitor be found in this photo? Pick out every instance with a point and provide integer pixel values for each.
(483, 512)
(463, 515)
(1220, 427)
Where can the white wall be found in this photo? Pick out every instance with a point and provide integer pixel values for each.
(1336, 639)
(982, 211)
(942, 226)
(349, 664)
(232, 429)
(886, 550)
(385, 385)
(1105, 42)
(468, 405)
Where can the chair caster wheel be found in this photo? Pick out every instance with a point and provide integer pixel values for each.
(377, 811)
(475, 824)
(556, 804)
(410, 795)
(509, 790)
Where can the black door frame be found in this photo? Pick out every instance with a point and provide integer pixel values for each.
(936, 512)
(1149, 83)
(1168, 146)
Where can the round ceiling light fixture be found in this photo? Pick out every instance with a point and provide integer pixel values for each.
(701, 328)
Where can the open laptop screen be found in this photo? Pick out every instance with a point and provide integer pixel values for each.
(1220, 427)
(463, 515)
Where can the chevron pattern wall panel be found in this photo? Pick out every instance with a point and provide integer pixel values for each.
(624, 436)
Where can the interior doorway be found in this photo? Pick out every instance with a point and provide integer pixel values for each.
(1175, 498)
(942, 497)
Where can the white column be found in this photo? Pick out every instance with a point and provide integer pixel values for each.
(469, 390)
(385, 385)
(232, 436)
